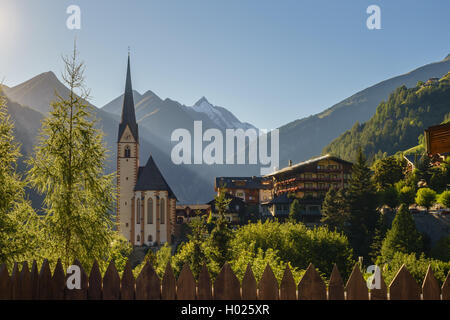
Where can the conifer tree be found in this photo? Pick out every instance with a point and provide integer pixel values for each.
(334, 210)
(403, 236)
(17, 219)
(221, 234)
(197, 237)
(67, 167)
(295, 211)
(362, 207)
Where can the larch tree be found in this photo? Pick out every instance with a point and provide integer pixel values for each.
(18, 221)
(68, 168)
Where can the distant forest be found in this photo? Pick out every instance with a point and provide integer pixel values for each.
(398, 122)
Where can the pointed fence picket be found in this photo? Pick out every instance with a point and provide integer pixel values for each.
(25, 283)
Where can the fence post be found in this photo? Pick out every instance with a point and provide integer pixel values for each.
(336, 285)
(403, 286)
(95, 283)
(25, 283)
(249, 285)
(311, 286)
(127, 283)
(111, 283)
(5, 283)
(168, 291)
(58, 281)
(379, 294)
(430, 286)
(446, 288)
(148, 285)
(45, 282)
(186, 285)
(227, 286)
(356, 285)
(288, 288)
(15, 282)
(204, 284)
(34, 280)
(268, 285)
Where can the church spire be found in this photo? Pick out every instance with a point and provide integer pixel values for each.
(128, 115)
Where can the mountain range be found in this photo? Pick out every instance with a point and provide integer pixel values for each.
(301, 139)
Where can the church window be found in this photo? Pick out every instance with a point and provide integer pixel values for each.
(150, 238)
(127, 152)
(138, 238)
(138, 211)
(163, 211)
(150, 211)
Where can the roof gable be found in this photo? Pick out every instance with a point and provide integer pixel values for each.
(151, 178)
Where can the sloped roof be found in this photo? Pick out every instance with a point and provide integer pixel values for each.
(128, 114)
(241, 183)
(308, 162)
(150, 178)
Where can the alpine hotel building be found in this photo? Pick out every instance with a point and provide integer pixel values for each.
(145, 202)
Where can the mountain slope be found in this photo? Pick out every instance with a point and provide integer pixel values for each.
(397, 123)
(305, 138)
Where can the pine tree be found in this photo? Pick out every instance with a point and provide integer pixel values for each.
(17, 219)
(380, 234)
(197, 237)
(362, 207)
(334, 211)
(403, 236)
(221, 234)
(295, 211)
(67, 167)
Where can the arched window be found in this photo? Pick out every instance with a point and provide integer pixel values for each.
(138, 211)
(127, 152)
(163, 211)
(138, 238)
(150, 238)
(150, 211)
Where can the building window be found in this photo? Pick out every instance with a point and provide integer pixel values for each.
(127, 152)
(138, 211)
(150, 211)
(150, 238)
(138, 238)
(163, 211)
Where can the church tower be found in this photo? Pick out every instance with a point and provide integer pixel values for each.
(127, 161)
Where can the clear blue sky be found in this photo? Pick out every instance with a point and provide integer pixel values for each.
(269, 62)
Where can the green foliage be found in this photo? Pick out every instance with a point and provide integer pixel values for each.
(362, 208)
(293, 243)
(403, 236)
(441, 249)
(380, 233)
(396, 124)
(18, 221)
(444, 199)
(119, 252)
(389, 197)
(67, 167)
(426, 197)
(417, 266)
(334, 210)
(295, 211)
(387, 172)
(221, 233)
(407, 196)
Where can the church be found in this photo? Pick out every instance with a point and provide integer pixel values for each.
(145, 202)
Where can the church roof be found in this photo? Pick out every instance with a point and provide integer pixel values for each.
(128, 114)
(151, 178)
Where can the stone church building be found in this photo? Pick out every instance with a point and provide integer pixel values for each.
(146, 204)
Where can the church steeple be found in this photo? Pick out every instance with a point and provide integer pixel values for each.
(128, 114)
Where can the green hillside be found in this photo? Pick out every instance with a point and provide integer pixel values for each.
(397, 123)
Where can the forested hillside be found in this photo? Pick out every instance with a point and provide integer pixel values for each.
(397, 123)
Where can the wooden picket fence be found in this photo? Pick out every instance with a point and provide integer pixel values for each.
(43, 285)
